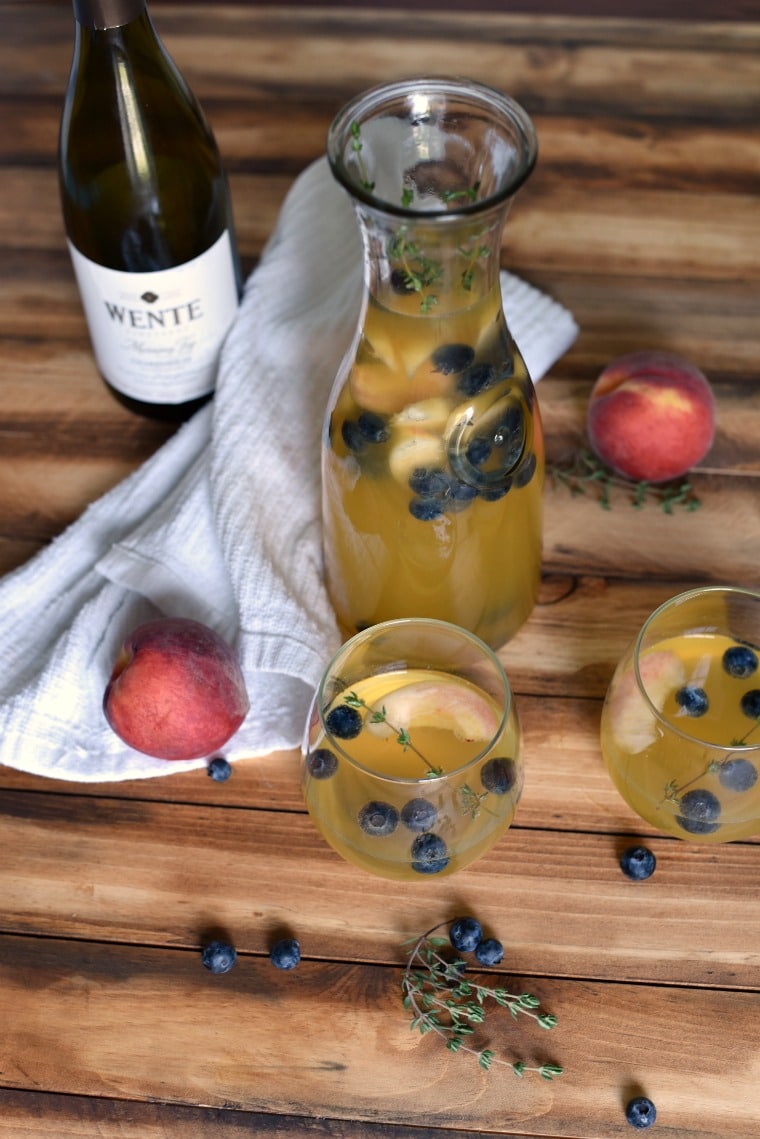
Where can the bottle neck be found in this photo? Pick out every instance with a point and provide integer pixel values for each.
(104, 14)
(433, 266)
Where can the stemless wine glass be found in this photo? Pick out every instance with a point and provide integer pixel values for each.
(680, 727)
(410, 761)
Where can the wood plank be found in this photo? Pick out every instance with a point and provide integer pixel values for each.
(698, 70)
(632, 232)
(96, 871)
(316, 1039)
(35, 1115)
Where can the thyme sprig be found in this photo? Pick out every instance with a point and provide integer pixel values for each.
(675, 790)
(378, 716)
(443, 1001)
(585, 474)
(470, 801)
(357, 146)
(419, 272)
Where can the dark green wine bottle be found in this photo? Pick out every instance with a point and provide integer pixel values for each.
(147, 214)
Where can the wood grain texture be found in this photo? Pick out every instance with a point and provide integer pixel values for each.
(255, 875)
(643, 218)
(332, 1038)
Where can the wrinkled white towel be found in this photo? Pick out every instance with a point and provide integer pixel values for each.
(222, 524)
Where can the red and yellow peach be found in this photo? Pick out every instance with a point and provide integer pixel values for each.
(176, 691)
(651, 416)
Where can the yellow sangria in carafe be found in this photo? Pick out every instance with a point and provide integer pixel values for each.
(433, 454)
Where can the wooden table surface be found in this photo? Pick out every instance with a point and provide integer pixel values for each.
(642, 217)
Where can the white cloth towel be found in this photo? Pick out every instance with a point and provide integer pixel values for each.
(222, 524)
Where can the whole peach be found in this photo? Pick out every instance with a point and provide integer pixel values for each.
(651, 416)
(176, 691)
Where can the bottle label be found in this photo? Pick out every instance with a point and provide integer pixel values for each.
(157, 336)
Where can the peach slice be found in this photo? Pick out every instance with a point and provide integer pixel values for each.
(633, 725)
(451, 705)
(420, 449)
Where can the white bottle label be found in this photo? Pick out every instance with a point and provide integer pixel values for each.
(157, 336)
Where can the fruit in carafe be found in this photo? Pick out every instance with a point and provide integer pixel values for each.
(433, 474)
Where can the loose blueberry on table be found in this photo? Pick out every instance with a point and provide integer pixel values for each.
(285, 953)
(219, 769)
(466, 934)
(489, 951)
(218, 956)
(638, 863)
(640, 1112)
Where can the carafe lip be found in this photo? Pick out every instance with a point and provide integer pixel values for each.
(368, 105)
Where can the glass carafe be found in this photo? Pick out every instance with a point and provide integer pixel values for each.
(433, 458)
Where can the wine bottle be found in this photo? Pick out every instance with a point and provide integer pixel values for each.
(147, 214)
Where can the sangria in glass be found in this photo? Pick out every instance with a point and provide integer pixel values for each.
(410, 761)
(680, 728)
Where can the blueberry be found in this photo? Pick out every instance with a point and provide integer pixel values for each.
(737, 775)
(429, 854)
(419, 815)
(489, 951)
(699, 811)
(451, 358)
(740, 661)
(372, 427)
(429, 483)
(321, 763)
(494, 493)
(285, 954)
(352, 436)
(640, 1112)
(509, 436)
(218, 956)
(638, 863)
(479, 450)
(426, 509)
(401, 282)
(499, 775)
(378, 819)
(693, 700)
(465, 934)
(461, 495)
(476, 379)
(343, 722)
(219, 769)
(751, 704)
(526, 471)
